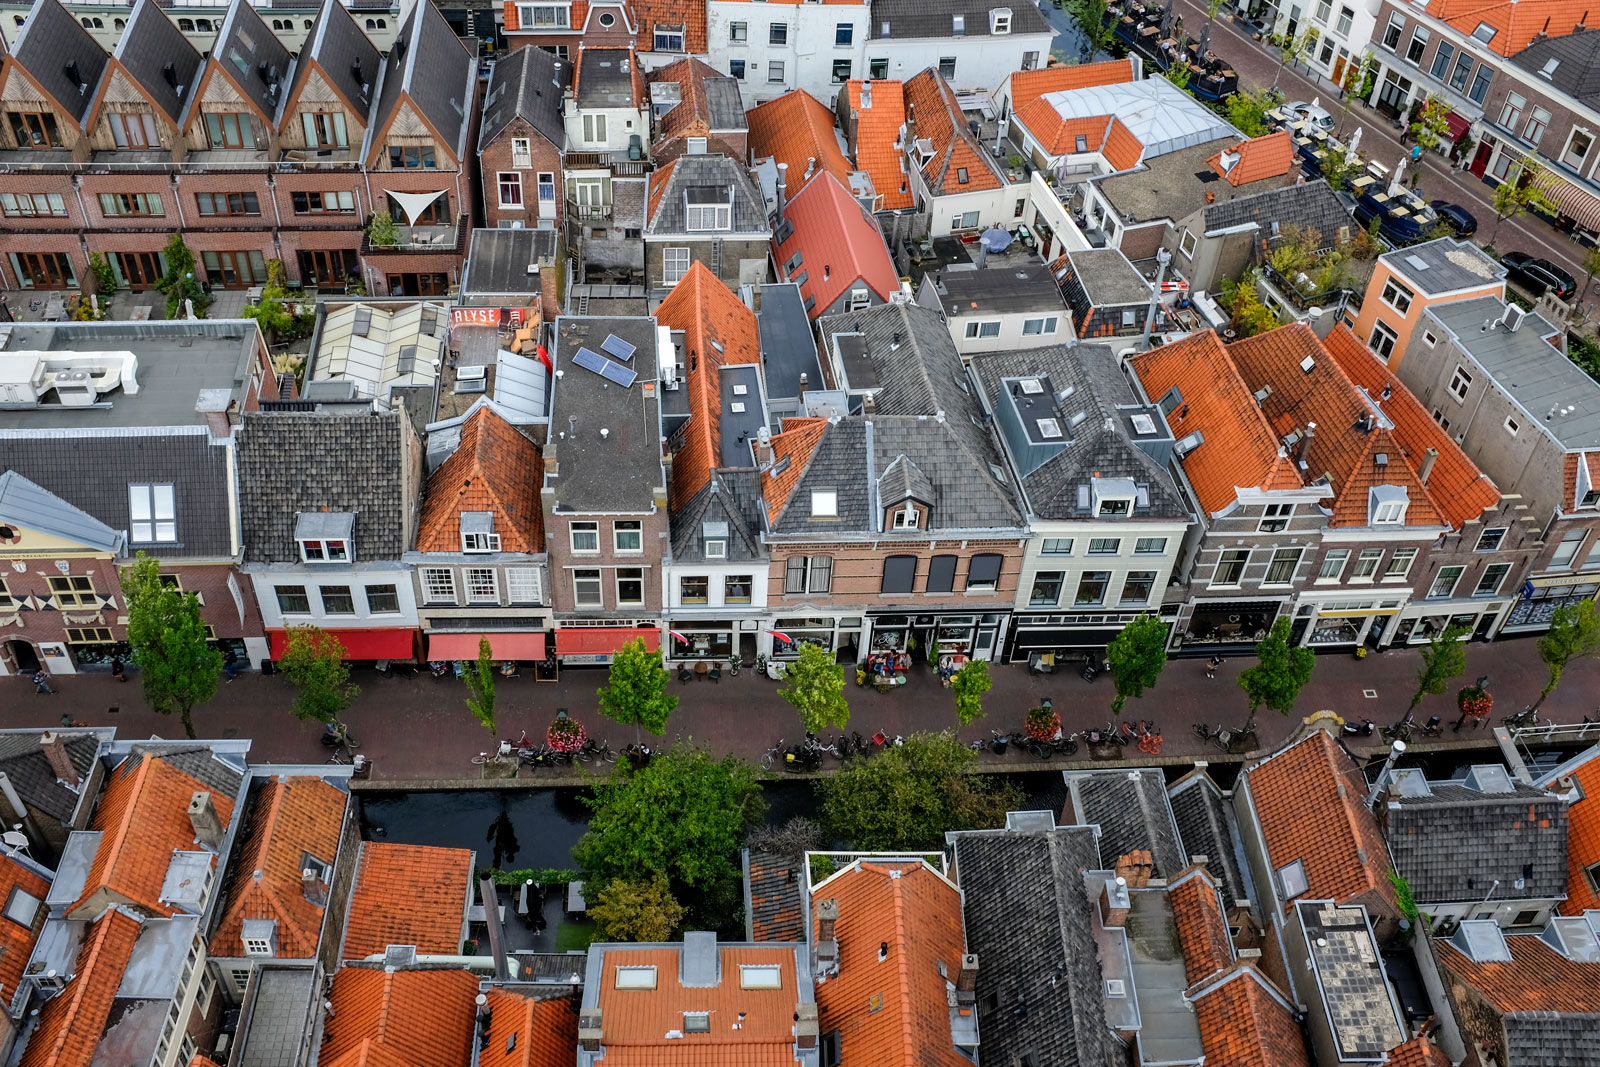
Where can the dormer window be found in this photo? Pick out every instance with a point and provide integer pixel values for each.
(708, 209)
(1000, 20)
(325, 536)
(477, 532)
(714, 536)
(958, 25)
(1113, 496)
(260, 937)
(907, 518)
(1387, 505)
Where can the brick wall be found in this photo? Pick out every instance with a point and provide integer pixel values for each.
(497, 157)
(858, 572)
(558, 543)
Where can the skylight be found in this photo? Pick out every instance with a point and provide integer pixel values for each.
(636, 977)
(1143, 424)
(1032, 386)
(1549, 67)
(760, 976)
(1485, 32)
(1049, 428)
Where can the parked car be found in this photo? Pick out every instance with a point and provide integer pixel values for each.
(1459, 219)
(1317, 116)
(1537, 275)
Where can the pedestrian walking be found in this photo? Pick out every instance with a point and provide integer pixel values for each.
(41, 682)
(1212, 664)
(230, 663)
(116, 669)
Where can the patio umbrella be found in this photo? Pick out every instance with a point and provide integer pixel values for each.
(1355, 139)
(1399, 173)
(996, 239)
(1166, 16)
(1205, 43)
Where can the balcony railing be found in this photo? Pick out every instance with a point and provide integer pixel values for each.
(617, 163)
(576, 210)
(415, 239)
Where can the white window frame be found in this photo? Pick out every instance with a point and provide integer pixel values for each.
(824, 503)
(984, 331)
(522, 152)
(616, 537)
(1383, 340)
(1366, 569)
(1460, 384)
(1333, 565)
(859, 298)
(586, 575)
(322, 550)
(1389, 513)
(1398, 296)
(1187, 242)
(438, 585)
(594, 129)
(1040, 327)
(674, 265)
(506, 180)
(523, 585)
(1400, 563)
(589, 528)
(479, 542)
(152, 513)
(1275, 518)
(616, 586)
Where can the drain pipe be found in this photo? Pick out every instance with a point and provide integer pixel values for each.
(1396, 750)
(1163, 257)
(471, 963)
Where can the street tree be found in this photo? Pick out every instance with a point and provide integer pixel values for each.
(1590, 267)
(479, 678)
(1293, 49)
(1574, 634)
(969, 685)
(636, 909)
(1350, 85)
(1281, 670)
(1429, 128)
(636, 690)
(167, 638)
(313, 661)
(1247, 112)
(1178, 74)
(1444, 657)
(816, 689)
(1523, 190)
(1136, 657)
(908, 795)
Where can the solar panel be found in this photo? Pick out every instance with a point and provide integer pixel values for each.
(591, 361)
(615, 372)
(616, 346)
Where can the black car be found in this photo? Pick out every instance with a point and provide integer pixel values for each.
(1458, 218)
(1537, 275)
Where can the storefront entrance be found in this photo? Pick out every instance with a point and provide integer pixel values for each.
(928, 637)
(1539, 603)
(1227, 622)
(841, 636)
(19, 656)
(701, 639)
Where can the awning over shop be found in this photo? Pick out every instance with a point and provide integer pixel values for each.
(1579, 205)
(524, 646)
(360, 644)
(1458, 125)
(602, 640)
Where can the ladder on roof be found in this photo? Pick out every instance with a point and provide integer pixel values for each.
(583, 304)
(716, 258)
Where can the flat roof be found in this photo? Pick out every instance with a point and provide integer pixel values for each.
(1355, 991)
(1108, 278)
(1444, 266)
(619, 470)
(999, 290)
(1173, 186)
(787, 347)
(498, 260)
(743, 414)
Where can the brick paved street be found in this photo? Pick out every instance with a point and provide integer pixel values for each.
(418, 728)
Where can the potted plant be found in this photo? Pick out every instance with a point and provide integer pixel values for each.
(1042, 724)
(1475, 702)
(565, 735)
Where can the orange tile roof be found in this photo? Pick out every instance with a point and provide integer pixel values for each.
(659, 179)
(1242, 1024)
(1583, 840)
(1240, 450)
(1101, 133)
(689, 14)
(796, 443)
(202, 1060)
(839, 244)
(16, 940)
(933, 108)
(1121, 149)
(1457, 487)
(1418, 1052)
(710, 316)
(634, 1022)
(692, 113)
(1029, 85)
(1326, 395)
(494, 469)
(540, 1033)
(71, 1023)
(919, 915)
(143, 816)
(1516, 22)
(1537, 978)
(1202, 929)
(1310, 800)
(408, 895)
(794, 129)
(411, 1018)
(290, 817)
(1270, 156)
(877, 137)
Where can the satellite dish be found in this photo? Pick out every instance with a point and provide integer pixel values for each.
(15, 840)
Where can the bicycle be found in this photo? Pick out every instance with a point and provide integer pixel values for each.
(482, 759)
(336, 734)
(1527, 717)
(596, 750)
(1149, 738)
(773, 755)
(1218, 735)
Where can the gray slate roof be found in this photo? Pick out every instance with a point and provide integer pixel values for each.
(1091, 371)
(621, 471)
(52, 39)
(723, 105)
(1206, 827)
(527, 84)
(627, 202)
(733, 497)
(1310, 206)
(337, 44)
(245, 39)
(1028, 918)
(92, 473)
(1130, 807)
(429, 64)
(774, 910)
(1447, 265)
(708, 171)
(1548, 1039)
(1108, 278)
(1453, 845)
(1577, 57)
(148, 44)
(897, 19)
(998, 290)
(24, 763)
(316, 462)
(194, 758)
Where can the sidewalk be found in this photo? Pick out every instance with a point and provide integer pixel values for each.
(418, 729)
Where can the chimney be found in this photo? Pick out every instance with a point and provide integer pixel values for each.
(55, 750)
(811, 165)
(805, 1024)
(1114, 901)
(549, 455)
(825, 955)
(827, 918)
(589, 1033)
(203, 816)
(214, 405)
(572, 427)
(783, 189)
(1211, 196)
(763, 448)
(967, 977)
(1428, 459)
(1135, 868)
(1305, 442)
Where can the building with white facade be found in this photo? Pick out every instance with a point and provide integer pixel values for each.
(775, 47)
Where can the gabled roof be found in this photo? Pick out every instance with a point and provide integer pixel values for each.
(152, 45)
(431, 67)
(798, 130)
(1206, 827)
(718, 330)
(937, 118)
(1029, 85)
(1060, 135)
(17, 938)
(1268, 156)
(1353, 458)
(1548, 1002)
(1217, 403)
(708, 100)
(72, 1022)
(529, 1032)
(410, 1018)
(495, 469)
(408, 895)
(1570, 63)
(1308, 205)
(244, 46)
(290, 819)
(1310, 802)
(877, 140)
(1514, 25)
(337, 47)
(1245, 1022)
(1130, 808)
(668, 212)
(912, 907)
(686, 13)
(792, 449)
(900, 19)
(51, 41)
(526, 84)
(1583, 836)
(1420, 1051)
(143, 817)
(730, 496)
(22, 503)
(839, 243)
(1202, 926)
(1457, 487)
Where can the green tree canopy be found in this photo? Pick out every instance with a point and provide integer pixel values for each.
(636, 909)
(1430, 126)
(1280, 671)
(1094, 29)
(1444, 657)
(969, 685)
(908, 795)
(1574, 634)
(636, 690)
(1136, 657)
(1247, 112)
(313, 661)
(1522, 190)
(479, 678)
(815, 686)
(167, 636)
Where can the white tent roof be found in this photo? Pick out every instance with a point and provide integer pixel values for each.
(1163, 117)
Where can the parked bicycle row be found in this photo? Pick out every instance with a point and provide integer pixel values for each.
(810, 753)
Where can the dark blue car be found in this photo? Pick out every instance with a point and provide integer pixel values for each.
(1459, 219)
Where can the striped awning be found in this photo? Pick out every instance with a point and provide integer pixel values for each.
(1579, 205)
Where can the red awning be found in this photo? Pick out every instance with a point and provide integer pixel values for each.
(1457, 125)
(602, 640)
(361, 644)
(1577, 204)
(524, 646)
